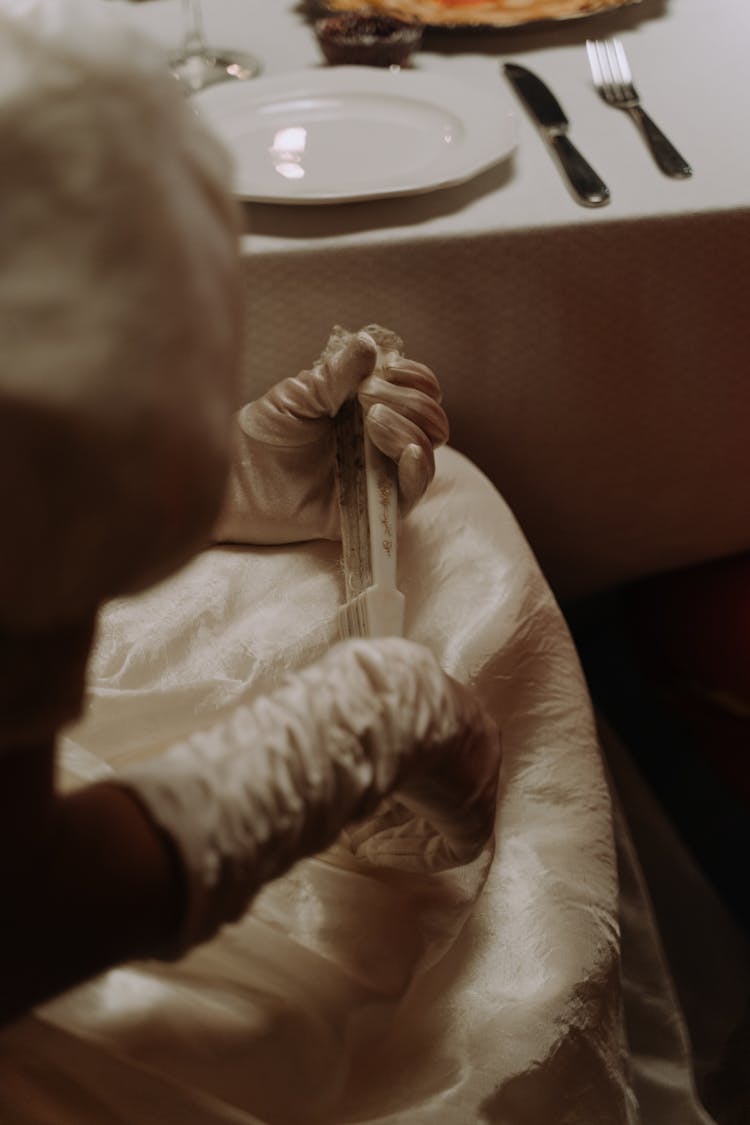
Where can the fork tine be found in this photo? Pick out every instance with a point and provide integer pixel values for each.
(592, 50)
(601, 66)
(619, 74)
(609, 66)
(613, 73)
(622, 62)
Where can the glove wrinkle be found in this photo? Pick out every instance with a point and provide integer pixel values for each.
(282, 776)
(282, 485)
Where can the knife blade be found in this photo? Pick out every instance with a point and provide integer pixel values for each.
(588, 188)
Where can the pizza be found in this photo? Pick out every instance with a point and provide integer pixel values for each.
(488, 13)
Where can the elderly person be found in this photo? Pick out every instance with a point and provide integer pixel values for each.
(120, 325)
(437, 963)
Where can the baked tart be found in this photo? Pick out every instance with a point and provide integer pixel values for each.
(487, 13)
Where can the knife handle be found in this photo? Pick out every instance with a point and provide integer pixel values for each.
(589, 187)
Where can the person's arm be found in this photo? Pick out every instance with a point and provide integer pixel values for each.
(88, 882)
(160, 859)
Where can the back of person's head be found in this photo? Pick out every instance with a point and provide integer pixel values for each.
(119, 320)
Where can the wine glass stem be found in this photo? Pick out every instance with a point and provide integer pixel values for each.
(195, 39)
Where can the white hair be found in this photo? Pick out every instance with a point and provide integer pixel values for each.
(119, 318)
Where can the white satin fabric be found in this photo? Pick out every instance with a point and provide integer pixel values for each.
(348, 993)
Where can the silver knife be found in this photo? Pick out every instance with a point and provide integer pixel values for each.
(587, 186)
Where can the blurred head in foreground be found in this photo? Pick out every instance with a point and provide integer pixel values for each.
(119, 322)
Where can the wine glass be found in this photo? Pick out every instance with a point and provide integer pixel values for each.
(197, 65)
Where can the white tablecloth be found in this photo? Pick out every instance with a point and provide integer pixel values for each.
(594, 361)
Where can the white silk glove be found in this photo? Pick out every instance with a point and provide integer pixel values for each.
(282, 481)
(280, 778)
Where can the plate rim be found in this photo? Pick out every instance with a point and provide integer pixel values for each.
(425, 86)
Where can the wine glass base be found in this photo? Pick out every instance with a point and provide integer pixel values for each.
(198, 69)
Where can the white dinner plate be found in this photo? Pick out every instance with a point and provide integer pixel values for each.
(350, 132)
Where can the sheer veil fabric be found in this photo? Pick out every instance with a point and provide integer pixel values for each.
(357, 989)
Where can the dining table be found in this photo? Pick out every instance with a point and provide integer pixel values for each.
(594, 361)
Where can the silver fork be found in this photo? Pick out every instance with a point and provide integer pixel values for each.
(614, 82)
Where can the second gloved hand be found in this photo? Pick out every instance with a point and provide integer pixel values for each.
(282, 486)
(278, 779)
